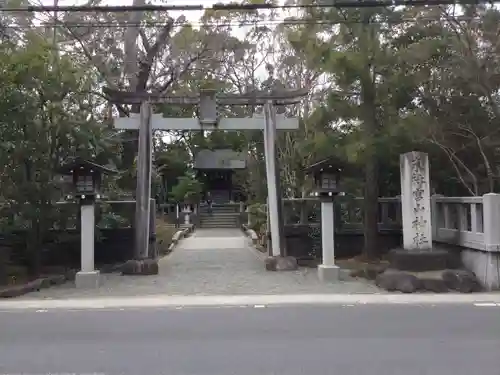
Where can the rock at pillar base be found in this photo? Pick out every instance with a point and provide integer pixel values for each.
(329, 273)
(143, 267)
(462, 281)
(87, 280)
(281, 263)
(394, 280)
(150, 267)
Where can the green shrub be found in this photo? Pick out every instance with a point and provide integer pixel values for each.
(258, 217)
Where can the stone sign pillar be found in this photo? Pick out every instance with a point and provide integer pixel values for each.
(416, 201)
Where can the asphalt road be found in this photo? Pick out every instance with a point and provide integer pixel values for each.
(288, 340)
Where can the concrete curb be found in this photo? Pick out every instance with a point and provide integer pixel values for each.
(254, 238)
(45, 282)
(178, 236)
(250, 233)
(252, 300)
(35, 285)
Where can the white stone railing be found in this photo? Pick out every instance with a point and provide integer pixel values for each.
(472, 222)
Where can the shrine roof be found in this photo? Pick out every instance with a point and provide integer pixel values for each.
(220, 159)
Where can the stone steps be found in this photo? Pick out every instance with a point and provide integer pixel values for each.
(221, 216)
(181, 226)
(219, 220)
(220, 209)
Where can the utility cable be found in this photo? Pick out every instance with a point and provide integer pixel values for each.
(239, 7)
(278, 22)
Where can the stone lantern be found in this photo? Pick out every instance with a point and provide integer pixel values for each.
(326, 174)
(87, 177)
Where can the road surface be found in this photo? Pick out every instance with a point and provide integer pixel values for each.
(289, 340)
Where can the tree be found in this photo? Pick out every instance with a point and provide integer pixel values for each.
(139, 51)
(172, 162)
(458, 107)
(187, 190)
(45, 117)
(357, 54)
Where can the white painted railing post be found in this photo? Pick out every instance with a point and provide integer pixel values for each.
(491, 222)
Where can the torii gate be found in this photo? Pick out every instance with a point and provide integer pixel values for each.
(269, 121)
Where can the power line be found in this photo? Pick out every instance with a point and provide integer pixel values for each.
(100, 9)
(284, 22)
(238, 7)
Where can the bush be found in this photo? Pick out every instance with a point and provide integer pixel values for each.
(258, 217)
(164, 233)
(110, 220)
(187, 190)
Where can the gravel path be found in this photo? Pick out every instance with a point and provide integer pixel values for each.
(210, 262)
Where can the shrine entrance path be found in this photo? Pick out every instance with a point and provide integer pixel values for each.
(210, 262)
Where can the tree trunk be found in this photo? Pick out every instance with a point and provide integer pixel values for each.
(370, 208)
(371, 191)
(34, 245)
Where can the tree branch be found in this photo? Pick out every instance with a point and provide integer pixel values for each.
(146, 65)
(101, 68)
(487, 165)
(175, 74)
(145, 41)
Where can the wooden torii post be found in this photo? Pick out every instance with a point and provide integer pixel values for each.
(207, 101)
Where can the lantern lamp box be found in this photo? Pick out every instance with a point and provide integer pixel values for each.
(86, 176)
(327, 176)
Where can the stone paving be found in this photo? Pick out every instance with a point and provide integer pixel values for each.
(210, 262)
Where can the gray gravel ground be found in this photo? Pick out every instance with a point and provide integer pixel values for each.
(210, 262)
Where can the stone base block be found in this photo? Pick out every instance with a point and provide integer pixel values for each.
(419, 260)
(87, 280)
(329, 273)
(485, 265)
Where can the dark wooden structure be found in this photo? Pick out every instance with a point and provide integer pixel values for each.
(216, 170)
